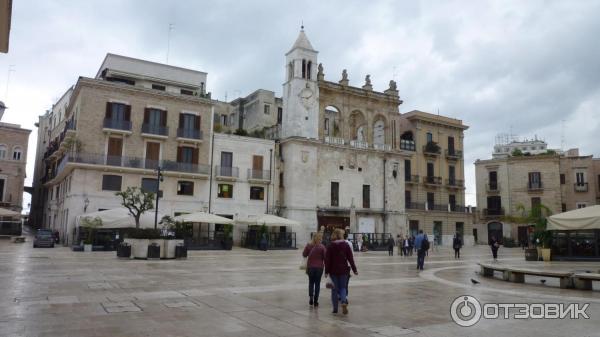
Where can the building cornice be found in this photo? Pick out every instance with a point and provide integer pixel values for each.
(346, 89)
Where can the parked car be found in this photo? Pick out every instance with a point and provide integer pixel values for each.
(43, 238)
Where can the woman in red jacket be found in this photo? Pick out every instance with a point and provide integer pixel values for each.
(315, 252)
(337, 258)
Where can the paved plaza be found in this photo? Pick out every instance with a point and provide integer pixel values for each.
(57, 292)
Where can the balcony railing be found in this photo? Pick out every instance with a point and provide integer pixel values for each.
(457, 208)
(457, 183)
(259, 174)
(408, 145)
(432, 149)
(535, 186)
(131, 162)
(493, 212)
(334, 140)
(382, 147)
(437, 207)
(581, 187)
(411, 179)
(117, 124)
(431, 180)
(454, 154)
(226, 171)
(415, 205)
(189, 133)
(155, 129)
(492, 187)
(359, 144)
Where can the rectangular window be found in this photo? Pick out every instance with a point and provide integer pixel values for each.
(149, 185)
(581, 205)
(407, 199)
(118, 111)
(185, 188)
(279, 115)
(493, 180)
(158, 87)
(562, 179)
(335, 194)
(257, 193)
(452, 174)
(326, 127)
(452, 202)
(535, 180)
(280, 179)
(225, 191)
(366, 195)
(579, 178)
(429, 137)
(187, 92)
(430, 200)
(451, 145)
(563, 207)
(535, 205)
(111, 182)
(407, 170)
(267, 109)
(430, 170)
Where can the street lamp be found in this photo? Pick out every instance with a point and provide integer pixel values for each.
(86, 203)
(159, 178)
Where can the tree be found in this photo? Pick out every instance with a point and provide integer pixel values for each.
(517, 153)
(137, 202)
(536, 216)
(90, 224)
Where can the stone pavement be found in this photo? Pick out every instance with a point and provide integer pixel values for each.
(56, 292)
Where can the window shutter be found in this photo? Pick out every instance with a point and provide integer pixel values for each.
(195, 156)
(128, 113)
(197, 122)
(146, 115)
(181, 121)
(179, 154)
(163, 117)
(108, 110)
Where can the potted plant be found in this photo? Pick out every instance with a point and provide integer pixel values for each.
(170, 238)
(90, 224)
(137, 202)
(536, 216)
(227, 237)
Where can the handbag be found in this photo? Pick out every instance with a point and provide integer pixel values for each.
(329, 284)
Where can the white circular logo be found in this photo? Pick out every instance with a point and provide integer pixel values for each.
(465, 310)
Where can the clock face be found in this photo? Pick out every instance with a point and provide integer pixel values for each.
(306, 96)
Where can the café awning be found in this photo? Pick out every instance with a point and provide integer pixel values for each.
(121, 218)
(579, 219)
(203, 217)
(269, 220)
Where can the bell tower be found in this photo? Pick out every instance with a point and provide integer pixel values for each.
(300, 91)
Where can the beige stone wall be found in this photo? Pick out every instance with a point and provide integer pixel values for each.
(519, 168)
(13, 171)
(570, 166)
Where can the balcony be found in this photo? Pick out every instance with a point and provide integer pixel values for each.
(259, 176)
(535, 186)
(432, 180)
(415, 205)
(408, 145)
(455, 183)
(581, 187)
(457, 208)
(411, 179)
(359, 144)
(226, 173)
(432, 149)
(493, 212)
(125, 162)
(437, 207)
(454, 154)
(382, 147)
(155, 131)
(120, 126)
(334, 140)
(492, 187)
(189, 135)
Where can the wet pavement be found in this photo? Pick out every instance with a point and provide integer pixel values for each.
(57, 292)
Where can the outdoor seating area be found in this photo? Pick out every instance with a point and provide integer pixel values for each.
(267, 232)
(576, 234)
(577, 280)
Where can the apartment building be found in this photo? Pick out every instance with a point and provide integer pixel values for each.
(13, 159)
(506, 185)
(434, 175)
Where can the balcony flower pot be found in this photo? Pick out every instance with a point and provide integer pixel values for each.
(546, 254)
(154, 251)
(169, 248)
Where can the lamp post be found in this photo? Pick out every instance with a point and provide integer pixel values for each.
(159, 178)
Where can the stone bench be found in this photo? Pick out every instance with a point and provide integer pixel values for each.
(517, 275)
(489, 269)
(583, 281)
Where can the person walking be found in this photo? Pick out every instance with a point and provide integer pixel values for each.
(391, 245)
(494, 244)
(337, 257)
(412, 245)
(314, 251)
(399, 242)
(457, 245)
(422, 245)
(352, 252)
(406, 246)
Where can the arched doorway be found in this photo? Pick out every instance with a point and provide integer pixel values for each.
(495, 230)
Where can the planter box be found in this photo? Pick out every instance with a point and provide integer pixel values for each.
(124, 251)
(87, 248)
(546, 254)
(139, 248)
(168, 249)
(154, 251)
(161, 244)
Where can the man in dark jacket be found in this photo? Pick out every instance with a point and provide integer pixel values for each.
(391, 245)
(457, 245)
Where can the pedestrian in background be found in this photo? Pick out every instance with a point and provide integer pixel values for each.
(422, 245)
(391, 245)
(337, 257)
(494, 244)
(314, 251)
(399, 242)
(457, 245)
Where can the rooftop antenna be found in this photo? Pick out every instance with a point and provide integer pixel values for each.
(11, 68)
(169, 41)
(562, 135)
(302, 25)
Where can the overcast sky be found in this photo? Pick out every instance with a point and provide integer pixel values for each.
(532, 67)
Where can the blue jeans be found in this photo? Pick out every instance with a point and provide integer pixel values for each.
(420, 258)
(340, 282)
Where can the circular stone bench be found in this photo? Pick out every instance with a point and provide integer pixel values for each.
(517, 275)
(583, 281)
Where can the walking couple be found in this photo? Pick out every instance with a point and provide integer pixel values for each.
(336, 260)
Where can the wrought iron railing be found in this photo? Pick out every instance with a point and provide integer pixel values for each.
(155, 129)
(259, 174)
(189, 133)
(117, 124)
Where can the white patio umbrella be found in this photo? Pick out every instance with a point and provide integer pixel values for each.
(203, 217)
(121, 218)
(269, 220)
(579, 219)
(9, 213)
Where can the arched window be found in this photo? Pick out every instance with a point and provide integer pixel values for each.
(303, 68)
(379, 132)
(17, 153)
(3, 151)
(309, 69)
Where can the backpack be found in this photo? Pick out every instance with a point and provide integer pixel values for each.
(425, 243)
